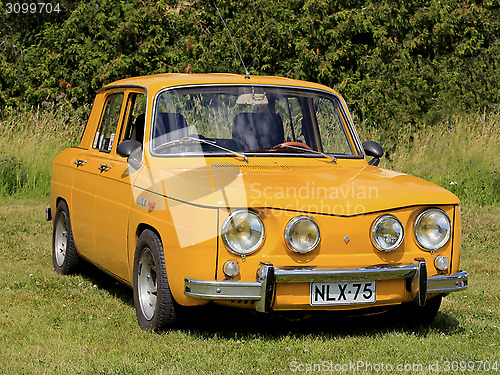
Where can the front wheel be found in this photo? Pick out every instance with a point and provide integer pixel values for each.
(422, 314)
(153, 300)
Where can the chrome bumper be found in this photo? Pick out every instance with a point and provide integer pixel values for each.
(262, 290)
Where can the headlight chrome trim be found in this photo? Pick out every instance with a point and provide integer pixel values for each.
(224, 230)
(291, 223)
(374, 228)
(419, 219)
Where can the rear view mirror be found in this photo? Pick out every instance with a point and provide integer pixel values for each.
(132, 150)
(252, 99)
(126, 148)
(373, 149)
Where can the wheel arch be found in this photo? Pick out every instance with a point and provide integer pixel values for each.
(61, 199)
(141, 228)
(134, 238)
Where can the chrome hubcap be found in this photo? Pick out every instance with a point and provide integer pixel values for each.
(146, 284)
(61, 240)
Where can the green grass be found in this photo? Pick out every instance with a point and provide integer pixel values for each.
(86, 323)
(29, 140)
(460, 154)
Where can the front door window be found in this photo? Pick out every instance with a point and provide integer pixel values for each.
(105, 136)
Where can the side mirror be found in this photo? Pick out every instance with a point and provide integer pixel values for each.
(126, 148)
(372, 149)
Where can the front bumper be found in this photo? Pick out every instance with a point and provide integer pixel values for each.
(262, 290)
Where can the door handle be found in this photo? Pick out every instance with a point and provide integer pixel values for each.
(104, 167)
(79, 162)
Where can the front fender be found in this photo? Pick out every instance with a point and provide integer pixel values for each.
(189, 237)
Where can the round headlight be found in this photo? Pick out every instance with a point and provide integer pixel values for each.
(302, 234)
(432, 229)
(387, 233)
(243, 232)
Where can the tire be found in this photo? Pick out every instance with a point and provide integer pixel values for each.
(64, 255)
(423, 314)
(154, 304)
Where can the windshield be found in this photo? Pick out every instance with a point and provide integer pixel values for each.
(251, 119)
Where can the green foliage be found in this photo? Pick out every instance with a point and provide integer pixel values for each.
(396, 62)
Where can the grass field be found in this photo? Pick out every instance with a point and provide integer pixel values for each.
(85, 323)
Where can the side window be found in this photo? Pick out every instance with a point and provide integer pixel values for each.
(105, 136)
(136, 110)
(333, 136)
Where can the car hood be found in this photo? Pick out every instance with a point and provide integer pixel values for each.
(326, 188)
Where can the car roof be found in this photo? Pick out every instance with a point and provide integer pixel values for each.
(157, 82)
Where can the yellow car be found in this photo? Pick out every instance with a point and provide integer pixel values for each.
(251, 192)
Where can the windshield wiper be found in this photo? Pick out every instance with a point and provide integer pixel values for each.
(333, 159)
(199, 140)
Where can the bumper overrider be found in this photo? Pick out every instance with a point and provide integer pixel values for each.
(262, 290)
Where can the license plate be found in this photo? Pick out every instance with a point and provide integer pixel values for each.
(343, 293)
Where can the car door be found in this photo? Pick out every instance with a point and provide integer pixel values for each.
(114, 194)
(88, 162)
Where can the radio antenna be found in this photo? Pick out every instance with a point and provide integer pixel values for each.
(247, 75)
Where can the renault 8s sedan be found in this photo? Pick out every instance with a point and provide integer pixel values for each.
(250, 192)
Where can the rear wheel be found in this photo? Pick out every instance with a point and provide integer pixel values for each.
(64, 256)
(154, 305)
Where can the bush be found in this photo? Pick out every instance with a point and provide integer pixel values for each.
(397, 63)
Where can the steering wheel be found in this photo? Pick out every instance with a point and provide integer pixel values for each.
(294, 144)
